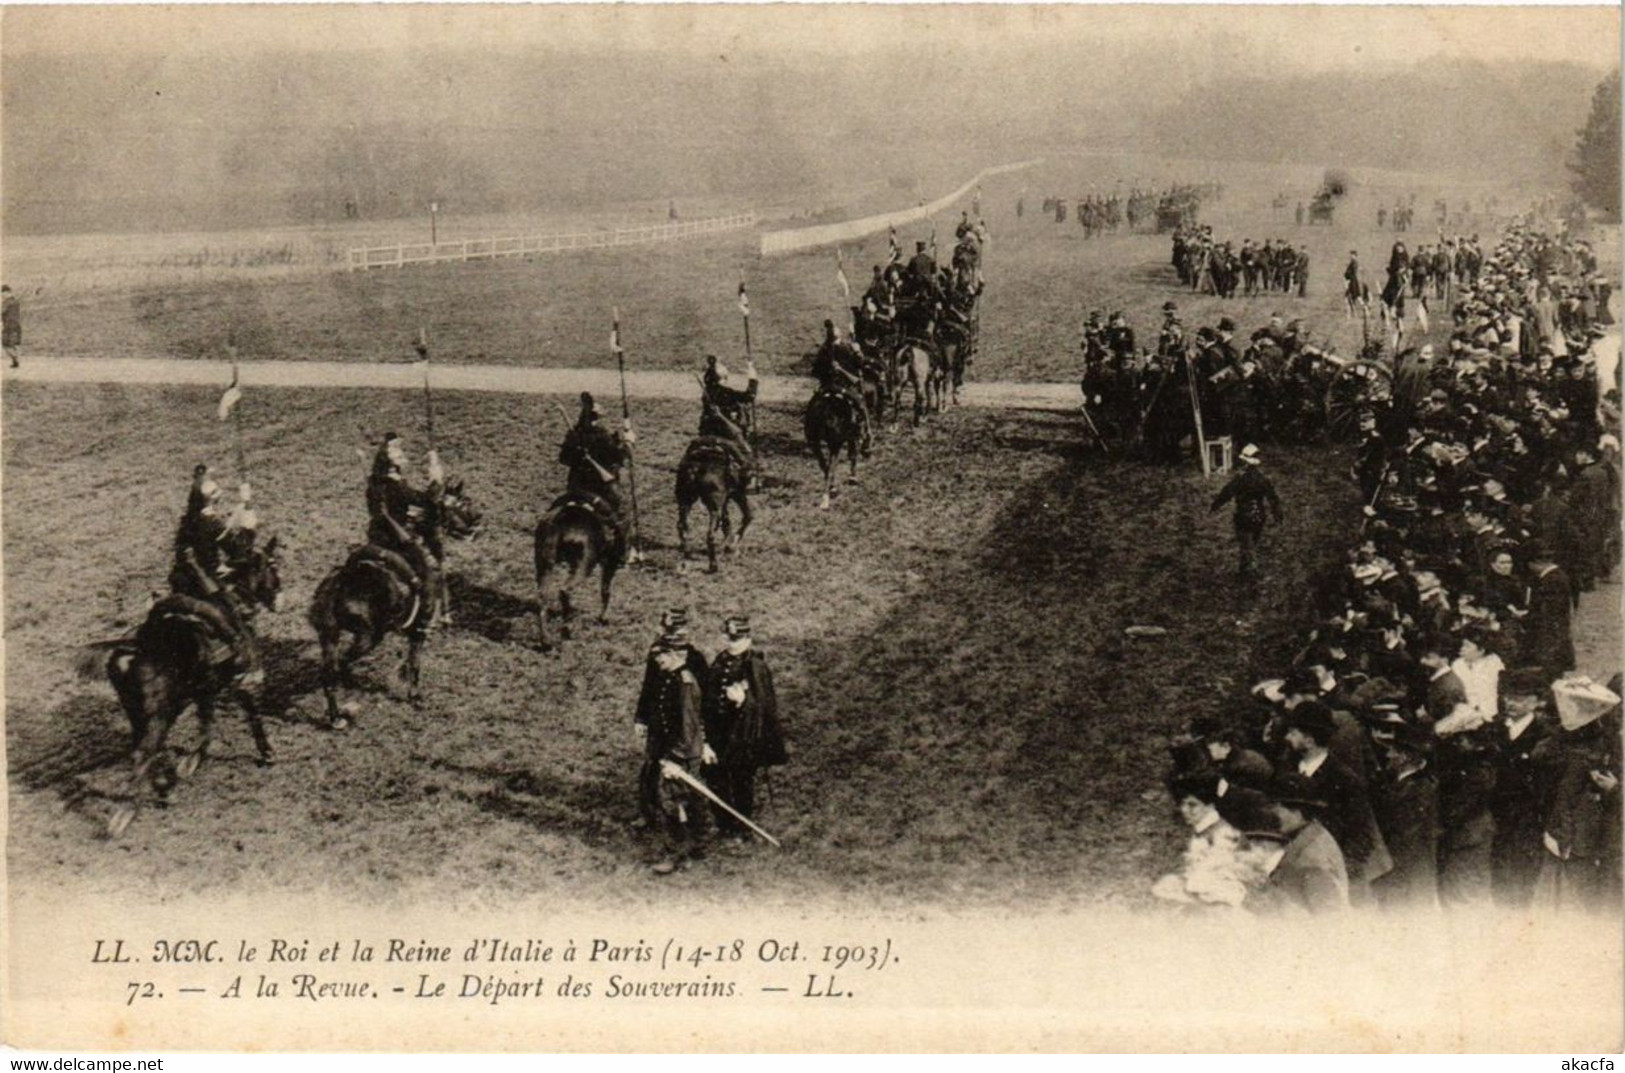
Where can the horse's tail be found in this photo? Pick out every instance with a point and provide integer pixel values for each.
(92, 661)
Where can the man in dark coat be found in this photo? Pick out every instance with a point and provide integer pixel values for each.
(1405, 800)
(395, 510)
(741, 711)
(670, 726)
(1518, 800)
(1253, 493)
(1548, 637)
(1308, 733)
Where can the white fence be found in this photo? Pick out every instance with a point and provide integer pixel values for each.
(479, 249)
(805, 238)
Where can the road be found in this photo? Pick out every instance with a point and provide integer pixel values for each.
(516, 379)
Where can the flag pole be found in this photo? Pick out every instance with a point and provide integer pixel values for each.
(744, 310)
(428, 395)
(626, 417)
(1196, 409)
(236, 417)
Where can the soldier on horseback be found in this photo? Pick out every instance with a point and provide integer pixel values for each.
(838, 368)
(207, 549)
(596, 456)
(395, 520)
(725, 414)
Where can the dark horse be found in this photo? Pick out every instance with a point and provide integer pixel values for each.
(710, 474)
(182, 655)
(376, 592)
(832, 423)
(574, 538)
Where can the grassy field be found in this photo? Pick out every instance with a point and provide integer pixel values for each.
(968, 721)
(677, 300)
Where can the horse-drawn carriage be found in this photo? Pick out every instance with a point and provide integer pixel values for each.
(1322, 208)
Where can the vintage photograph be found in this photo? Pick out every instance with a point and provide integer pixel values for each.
(1153, 470)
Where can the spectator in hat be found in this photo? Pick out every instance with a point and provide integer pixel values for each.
(1310, 875)
(1517, 800)
(1479, 670)
(1308, 730)
(1236, 764)
(741, 710)
(1209, 873)
(1548, 636)
(1581, 826)
(1444, 695)
(1405, 800)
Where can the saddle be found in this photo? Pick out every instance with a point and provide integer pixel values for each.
(398, 571)
(221, 634)
(601, 507)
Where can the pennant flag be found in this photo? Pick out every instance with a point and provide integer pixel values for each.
(232, 396)
(840, 276)
(615, 335)
(744, 299)
(891, 241)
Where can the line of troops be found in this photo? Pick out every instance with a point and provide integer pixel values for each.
(1267, 387)
(1431, 744)
(1208, 266)
(1100, 213)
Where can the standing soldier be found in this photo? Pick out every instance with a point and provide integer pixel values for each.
(741, 711)
(1253, 492)
(670, 727)
(11, 323)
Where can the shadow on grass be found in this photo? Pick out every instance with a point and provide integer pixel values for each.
(998, 725)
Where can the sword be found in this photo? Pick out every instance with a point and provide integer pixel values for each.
(675, 771)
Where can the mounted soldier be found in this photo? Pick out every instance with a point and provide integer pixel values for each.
(596, 458)
(399, 515)
(208, 548)
(725, 413)
(838, 368)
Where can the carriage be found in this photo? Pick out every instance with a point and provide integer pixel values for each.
(1322, 208)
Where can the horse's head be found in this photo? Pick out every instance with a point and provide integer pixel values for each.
(256, 578)
(459, 518)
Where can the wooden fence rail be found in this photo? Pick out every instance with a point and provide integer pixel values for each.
(479, 249)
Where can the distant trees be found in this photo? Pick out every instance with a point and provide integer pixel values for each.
(1596, 153)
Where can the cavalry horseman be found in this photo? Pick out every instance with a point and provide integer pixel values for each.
(397, 514)
(207, 549)
(838, 368)
(726, 413)
(596, 457)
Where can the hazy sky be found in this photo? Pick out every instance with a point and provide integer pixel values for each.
(1300, 37)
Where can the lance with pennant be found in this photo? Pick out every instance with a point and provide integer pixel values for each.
(626, 419)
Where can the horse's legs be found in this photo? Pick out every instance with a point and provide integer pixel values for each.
(414, 666)
(606, 577)
(331, 673)
(543, 640)
(826, 462)
(744, 515)
(852, 460)
(147, 754)
(205, 718)
(711, 536)
(256, 725)
(684, 505)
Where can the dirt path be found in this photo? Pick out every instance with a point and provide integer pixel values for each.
(516, 379)
(1599, 650)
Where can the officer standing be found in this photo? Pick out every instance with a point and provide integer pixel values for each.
(741, 711)
(1253, 493)
(670, 727)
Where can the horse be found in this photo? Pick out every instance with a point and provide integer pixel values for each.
(173, 660)
(709, 474)
(832, 423)
(924, 370)
(376, 592)
(574, 538)
(958, 345)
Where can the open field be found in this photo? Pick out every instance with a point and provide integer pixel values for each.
(677, 300)
(969, 723)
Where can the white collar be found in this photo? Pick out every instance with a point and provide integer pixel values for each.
(1311, 764)
(1441, 672)
(1516, 727)
(1208, 821)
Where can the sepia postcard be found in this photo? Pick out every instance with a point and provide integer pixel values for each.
(904, 528)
